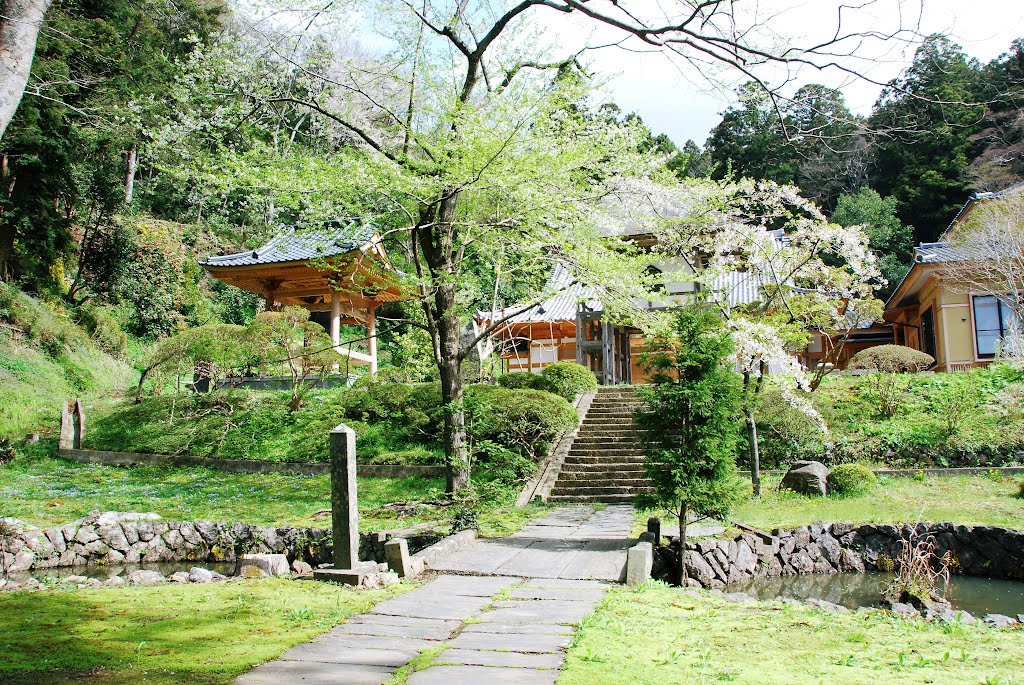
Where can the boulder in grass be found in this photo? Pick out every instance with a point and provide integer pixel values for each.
(199, 575)
(807, 478)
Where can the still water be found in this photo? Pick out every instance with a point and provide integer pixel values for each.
(977, 596)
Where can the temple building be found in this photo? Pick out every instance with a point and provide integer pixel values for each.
(339, 271)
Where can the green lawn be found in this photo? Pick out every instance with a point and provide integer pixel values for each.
(172, 634)
(658, 635)
(968, 500)
(990, 500)
(47, 491)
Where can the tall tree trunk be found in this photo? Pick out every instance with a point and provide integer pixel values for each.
(6, 248)
(682, 543)
(129, 176)
(755, 452)
(436, 241)
(20, 21)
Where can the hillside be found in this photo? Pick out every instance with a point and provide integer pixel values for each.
(46, 357)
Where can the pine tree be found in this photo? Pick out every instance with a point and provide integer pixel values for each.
(692, 419)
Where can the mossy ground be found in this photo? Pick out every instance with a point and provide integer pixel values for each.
(167, 635)
(47, 491)
(989, 500)
(659, 635)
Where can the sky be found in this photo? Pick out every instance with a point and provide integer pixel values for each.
(675, 99)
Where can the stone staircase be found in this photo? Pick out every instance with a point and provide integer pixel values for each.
(606, 460)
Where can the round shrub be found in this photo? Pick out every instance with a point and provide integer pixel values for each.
(522, 380)
(891, 358)
(850, 479)
(377, 402)
(523, 420)
(568, 379)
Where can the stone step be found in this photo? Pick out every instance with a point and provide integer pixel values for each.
(570, 484)
(625, 469)
(602, 433)
(604, 499)
(585, 451)
(609, 441)
(628, 477)
(607, 460)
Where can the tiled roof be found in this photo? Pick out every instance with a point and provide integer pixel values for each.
(936, 253)
(295, 243)
(738, 287)
(559, 307)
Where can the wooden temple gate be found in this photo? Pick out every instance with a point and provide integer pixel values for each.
(603, 347)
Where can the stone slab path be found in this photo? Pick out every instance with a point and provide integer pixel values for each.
(511, 626)
(572, 543)
(484, 630)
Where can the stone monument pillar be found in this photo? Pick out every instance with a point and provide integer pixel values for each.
(344, 510)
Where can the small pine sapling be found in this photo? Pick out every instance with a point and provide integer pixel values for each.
(692, 418)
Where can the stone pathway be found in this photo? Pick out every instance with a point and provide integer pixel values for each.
(572, 543)
(520, 638)
(510, 626)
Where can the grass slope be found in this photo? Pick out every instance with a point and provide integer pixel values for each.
(243, 424)
(658, 635)
(172, 634)
(47, 491)
(45, 359)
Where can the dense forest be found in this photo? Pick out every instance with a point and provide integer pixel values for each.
(154, 133)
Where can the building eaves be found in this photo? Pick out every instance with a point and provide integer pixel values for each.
(296, 243)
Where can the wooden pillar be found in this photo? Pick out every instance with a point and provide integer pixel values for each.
(608, 356)
(580, 334)
(268, 300)
(371, 335)
(335, 319)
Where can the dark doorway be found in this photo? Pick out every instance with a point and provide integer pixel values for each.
(928, 332)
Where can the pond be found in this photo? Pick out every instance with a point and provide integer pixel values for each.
(166, 568)
(977, 596)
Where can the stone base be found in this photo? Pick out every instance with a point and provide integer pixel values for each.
(344, 576)
(367, 576)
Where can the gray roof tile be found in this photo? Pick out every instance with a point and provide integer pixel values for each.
(296, 243)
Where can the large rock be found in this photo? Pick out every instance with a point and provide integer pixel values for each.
(807, 478)
(271, 564)
(143, 577)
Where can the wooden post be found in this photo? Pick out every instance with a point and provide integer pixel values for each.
(371, 335)
(344, 510)
(335, 319)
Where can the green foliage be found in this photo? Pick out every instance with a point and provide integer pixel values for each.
(692, 418)
(526, 421)
(891, 358)
(891, 241)
(104, 329)
(522, 380)
(44, 359)
(850, 479)
(568, 379)
(785, 433)
(922, 162)
(984, 406)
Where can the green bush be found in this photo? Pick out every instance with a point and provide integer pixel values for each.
(893, 358)
(522, 380)
(1021, 493)
(377, 402)
(568, 379)
(523, 420)
(104, 329)
(850, 479)
(785, 434)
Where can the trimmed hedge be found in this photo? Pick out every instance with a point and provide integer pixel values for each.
(522, 380)
(568, 379)
(892, 358)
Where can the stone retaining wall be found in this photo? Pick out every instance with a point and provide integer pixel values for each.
(984, 551)
(115, 539)
(245, 465)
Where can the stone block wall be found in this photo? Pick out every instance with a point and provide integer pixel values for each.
(984, 551)
(109, 539)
